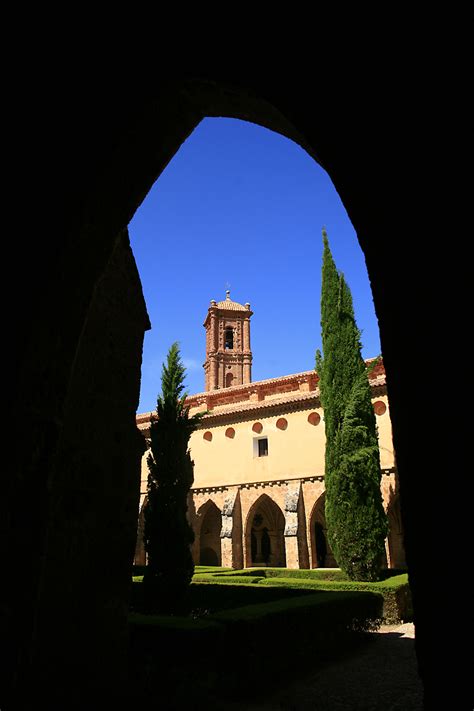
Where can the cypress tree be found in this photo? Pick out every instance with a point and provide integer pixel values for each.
(355, 519)
(168, 535)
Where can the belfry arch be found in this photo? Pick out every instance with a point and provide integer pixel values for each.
(264, 534)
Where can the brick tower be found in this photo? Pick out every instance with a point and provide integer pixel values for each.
(228, 354)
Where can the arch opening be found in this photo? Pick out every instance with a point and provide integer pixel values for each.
(264, 538)
(210, 552)
(321, 553)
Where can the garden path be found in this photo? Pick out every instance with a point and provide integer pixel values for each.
(381, 674)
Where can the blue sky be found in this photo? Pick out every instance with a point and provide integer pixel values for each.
(241, 207)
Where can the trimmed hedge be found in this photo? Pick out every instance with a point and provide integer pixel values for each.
(395, 589)
(314, 573)
(209, 597)
(300, 573)
(396, 597)
(271, 637)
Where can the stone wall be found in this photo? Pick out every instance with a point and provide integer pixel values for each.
(300, 502)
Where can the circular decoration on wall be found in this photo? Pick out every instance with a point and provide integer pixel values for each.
(380, 407)
(230, 432)
(314, 418)
(282, 424)
(207, 436)
(257, 427)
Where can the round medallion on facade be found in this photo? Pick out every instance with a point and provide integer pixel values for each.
(257, 427)
(380, 407)
(207, 436)
(314, 418)
(282, 424)
(230, 432)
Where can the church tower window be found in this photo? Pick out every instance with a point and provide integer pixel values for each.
(229, 339)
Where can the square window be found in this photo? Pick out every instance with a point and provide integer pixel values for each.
(263, 447)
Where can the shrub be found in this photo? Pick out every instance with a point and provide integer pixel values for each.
(272, 637)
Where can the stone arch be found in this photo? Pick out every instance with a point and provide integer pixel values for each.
(100, 187)
(229, 338)
(321, 553)
(210, 518)
(264, 534)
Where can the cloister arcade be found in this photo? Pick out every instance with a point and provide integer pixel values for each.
(281, 524)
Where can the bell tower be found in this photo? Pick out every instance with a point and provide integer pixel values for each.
(228, 355)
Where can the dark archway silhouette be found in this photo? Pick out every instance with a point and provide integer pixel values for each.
(75, 348)
(209, 534)
(321, 553)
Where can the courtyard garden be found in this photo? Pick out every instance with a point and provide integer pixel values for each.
(242, 629)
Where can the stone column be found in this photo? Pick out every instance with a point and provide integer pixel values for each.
(247, 369)
(291, 551)
(291, 525)
(213, 338)
(246, 339)
(213, 375)
(230, 556)
(258, 555)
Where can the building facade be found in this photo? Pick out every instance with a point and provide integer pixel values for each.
(258, 493)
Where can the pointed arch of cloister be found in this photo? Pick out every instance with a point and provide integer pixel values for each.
(321, 553)
(264, 540)
(208, 533)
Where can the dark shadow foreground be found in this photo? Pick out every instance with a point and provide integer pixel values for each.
(380, 674)
(374, 671)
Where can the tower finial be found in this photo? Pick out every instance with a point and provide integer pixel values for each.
(227, 295)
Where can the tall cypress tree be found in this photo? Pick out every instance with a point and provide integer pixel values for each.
(355, 519)
(167, 533)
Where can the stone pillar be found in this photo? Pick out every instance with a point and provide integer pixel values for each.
(291, 525)
(246, 338)
(292, 552)
(213, 339)
(226, 552)
(231, 531)
(258, 554)
(214, 373)
(220, 373)
(247, 369)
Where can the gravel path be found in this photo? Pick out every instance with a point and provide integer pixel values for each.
(380, 675)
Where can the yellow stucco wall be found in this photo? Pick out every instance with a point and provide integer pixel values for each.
(384, 429)
(294, 453)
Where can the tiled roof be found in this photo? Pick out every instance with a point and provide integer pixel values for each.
(290, 400)
(229, 304)
(293, 399)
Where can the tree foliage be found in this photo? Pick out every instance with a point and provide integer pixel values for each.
(355, 519)
(167, 533)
